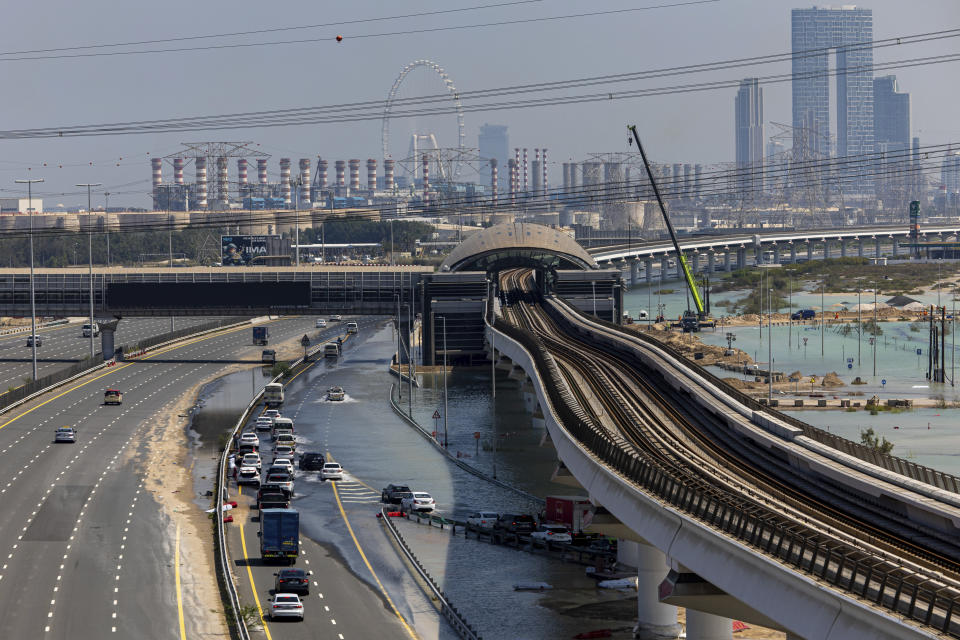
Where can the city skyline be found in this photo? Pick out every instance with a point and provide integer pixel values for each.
(675, 128)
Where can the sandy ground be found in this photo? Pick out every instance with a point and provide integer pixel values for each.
(169, 479)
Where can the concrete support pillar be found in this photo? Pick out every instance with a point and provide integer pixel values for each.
(793, 253)
(655, 620)
(741, 258)
(843, 248)
(860, 248)
(809, 250)
(706, 626)
(776, 253)
(695, 262)
(727, 266)
(896, 247)
(648, 270)
(711, 261)
(106, 341)
(634, 272)
(876, 251)
(826, 249)
(679, 269)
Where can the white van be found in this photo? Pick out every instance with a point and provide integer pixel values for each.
(281, 423)
(273, 394)
(331, 350)
(352, 327)
(88, 328)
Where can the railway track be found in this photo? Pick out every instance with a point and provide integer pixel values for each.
(635, 407)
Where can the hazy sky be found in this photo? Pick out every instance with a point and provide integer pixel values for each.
(692, 127)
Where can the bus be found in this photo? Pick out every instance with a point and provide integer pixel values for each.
(273, 394)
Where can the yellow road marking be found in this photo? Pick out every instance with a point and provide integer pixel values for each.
(356, 542)
(176, 572)
(253, 586)
(124, 366)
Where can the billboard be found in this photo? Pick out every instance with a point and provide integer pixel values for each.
(241, 249)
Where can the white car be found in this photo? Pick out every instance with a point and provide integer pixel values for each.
(248, 475)
(483, 519)
(418, 501)
(250, 438)
(272, 413)
(321, 323)
(284, 462)
(264, 423)
(552, 533)
(251, 460)
(336, 317)
(286, 605)
(331, 471)
(283, 450)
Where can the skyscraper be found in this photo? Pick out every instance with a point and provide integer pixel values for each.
(814, 32)
(748, 132)
(891, 115)
(493, 142)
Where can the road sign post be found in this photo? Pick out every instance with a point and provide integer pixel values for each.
(305, 342)
(436, 421)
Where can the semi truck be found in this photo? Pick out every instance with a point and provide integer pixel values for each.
(261, 336)
(280, 535)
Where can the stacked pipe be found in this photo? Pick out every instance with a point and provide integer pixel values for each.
(200, 164)
(262, 170)
(321, 174)
(354, 175)
(426, 180)
(340, 167)
(285, 181)
(512, 167)
(371, 175)
(157, 165)
(305, 181)
(493, 181)
(178, 170)
(388, 175)
(526, 184)
(543, 168)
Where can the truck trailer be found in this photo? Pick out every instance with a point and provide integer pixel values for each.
(280, 535)
(261, 336)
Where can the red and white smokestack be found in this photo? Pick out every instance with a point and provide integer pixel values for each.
(340, 167)
(223, 184)
(388, 175)
(543, 166)
(178, 170)
(512, 166)
(157, 166)
(285, 181)
(493, 180)
(200, 165)
(371, 175)
(242, 172)
(526, 185)
(354, 175)
(262, 170)
(304, 180)
(321, 173)
(426, 180)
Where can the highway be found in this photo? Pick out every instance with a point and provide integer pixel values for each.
(63, 346)
(634, 405)
(86, 550)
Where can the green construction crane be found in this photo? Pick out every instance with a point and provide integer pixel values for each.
(681, 260)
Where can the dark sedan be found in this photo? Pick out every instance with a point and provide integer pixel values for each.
(394, 493)
(292, 581)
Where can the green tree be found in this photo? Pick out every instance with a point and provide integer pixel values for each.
(869, 439)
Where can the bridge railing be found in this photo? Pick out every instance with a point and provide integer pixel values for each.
(879, 581)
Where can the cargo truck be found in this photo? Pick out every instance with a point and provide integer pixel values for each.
(261, 336)
(573, 511)
(280, 535)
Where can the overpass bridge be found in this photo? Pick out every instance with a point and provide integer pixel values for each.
(727, 507)
(709, 253)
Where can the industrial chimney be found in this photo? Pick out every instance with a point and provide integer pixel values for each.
(262, 170)
(493, 180)
(305, 181)
(354, 175)
(543, 169)
(285, 181)
(200, 165)
(388, 175)
(426, 181)
(341, 186)
(371, 175)
(321, 174)
(178, 170)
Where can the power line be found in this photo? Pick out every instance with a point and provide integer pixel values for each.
(361, 36)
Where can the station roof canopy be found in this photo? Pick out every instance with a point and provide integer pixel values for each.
(505, 246)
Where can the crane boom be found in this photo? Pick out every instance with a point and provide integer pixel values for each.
(681, 260)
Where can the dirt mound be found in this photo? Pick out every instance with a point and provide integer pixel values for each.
(832, 380)
(794, 375)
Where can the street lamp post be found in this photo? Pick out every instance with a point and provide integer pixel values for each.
(445, 440)
(33, 297)
(88, 185)
(106, 221)
(593, 286)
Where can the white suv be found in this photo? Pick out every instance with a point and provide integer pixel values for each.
(331, 471)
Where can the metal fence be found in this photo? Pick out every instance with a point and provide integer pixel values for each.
(146, 343)
(881, 582)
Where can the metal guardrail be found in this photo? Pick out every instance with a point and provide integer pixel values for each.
(876, 580)
(450, 612)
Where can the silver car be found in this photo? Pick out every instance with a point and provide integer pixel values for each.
(65, 434)
(286, 605)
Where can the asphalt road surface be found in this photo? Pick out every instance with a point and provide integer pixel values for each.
(84, 551)
(63, 346)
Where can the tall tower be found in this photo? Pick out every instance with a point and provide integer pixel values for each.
(493, 144)
(748, 132)
(819, 29)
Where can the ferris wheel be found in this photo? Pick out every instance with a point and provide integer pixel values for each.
(454, 96)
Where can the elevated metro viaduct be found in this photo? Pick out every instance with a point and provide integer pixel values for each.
(453, 297)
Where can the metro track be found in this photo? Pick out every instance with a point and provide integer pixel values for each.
(690, 444)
